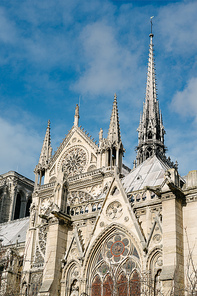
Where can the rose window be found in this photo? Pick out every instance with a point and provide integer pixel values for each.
(117, 248)
(75, 161)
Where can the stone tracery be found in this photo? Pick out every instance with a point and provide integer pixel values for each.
(74, 162)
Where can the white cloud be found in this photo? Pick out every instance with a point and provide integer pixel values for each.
(185, 102)
(178, 26)
(19, 149)
(8, 31)
(108, 65)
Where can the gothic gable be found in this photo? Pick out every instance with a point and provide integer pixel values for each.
(76, 155)
(116, 209)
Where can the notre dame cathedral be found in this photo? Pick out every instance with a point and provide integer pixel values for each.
(91, 226)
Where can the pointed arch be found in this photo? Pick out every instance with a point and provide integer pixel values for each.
(115, 245)
(70, 274)
(150, 136)
(154, 266)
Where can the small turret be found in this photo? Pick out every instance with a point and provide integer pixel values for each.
(111, 149)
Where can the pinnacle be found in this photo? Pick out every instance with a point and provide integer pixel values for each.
(114, 127)
(45, 154)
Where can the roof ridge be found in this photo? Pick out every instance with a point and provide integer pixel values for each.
(14, 221)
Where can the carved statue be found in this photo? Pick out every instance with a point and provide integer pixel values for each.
(74, 291)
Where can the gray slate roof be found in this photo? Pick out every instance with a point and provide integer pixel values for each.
(14, 230)
(148, 173)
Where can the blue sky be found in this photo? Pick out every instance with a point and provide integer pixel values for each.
(54, 52)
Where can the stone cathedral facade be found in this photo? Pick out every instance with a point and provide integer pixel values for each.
(98, 228)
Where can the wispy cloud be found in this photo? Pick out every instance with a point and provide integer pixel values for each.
(185, 102)
(178, 26)
(19, 148)
(108, 66)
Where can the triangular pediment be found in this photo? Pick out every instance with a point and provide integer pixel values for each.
(116, 210)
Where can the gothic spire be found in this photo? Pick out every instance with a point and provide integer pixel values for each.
(114, 127)
(46, 151)
(151, 130)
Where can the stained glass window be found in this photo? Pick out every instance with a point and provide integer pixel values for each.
(134, 285)
(96, 286)
(122, 285)
(108, 286)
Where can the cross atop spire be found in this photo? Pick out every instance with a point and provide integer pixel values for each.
(114, 127)
(151, 130)
(151, 28)
(46, 151)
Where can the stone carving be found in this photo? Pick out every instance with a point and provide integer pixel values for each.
(126, 219)
(47, 206)
(75, 272)
(158, 283)
(157, 238)
(102, 224)
(114, 210)
(159, 261)
(106, 187)
(74, 288)
(38, 257)
(74, 161)
(33, 214)
(75, 197)
(42, 236)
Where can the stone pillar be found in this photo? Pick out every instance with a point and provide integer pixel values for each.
(13, 194)
(36, 179)
(55, 250)
(117, 158)
(173, 262)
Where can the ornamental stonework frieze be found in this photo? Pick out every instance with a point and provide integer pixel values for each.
(42, 238)
(76, 197)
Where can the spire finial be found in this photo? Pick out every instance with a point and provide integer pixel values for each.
(115, 96)
(76, 117)
(151, 26)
